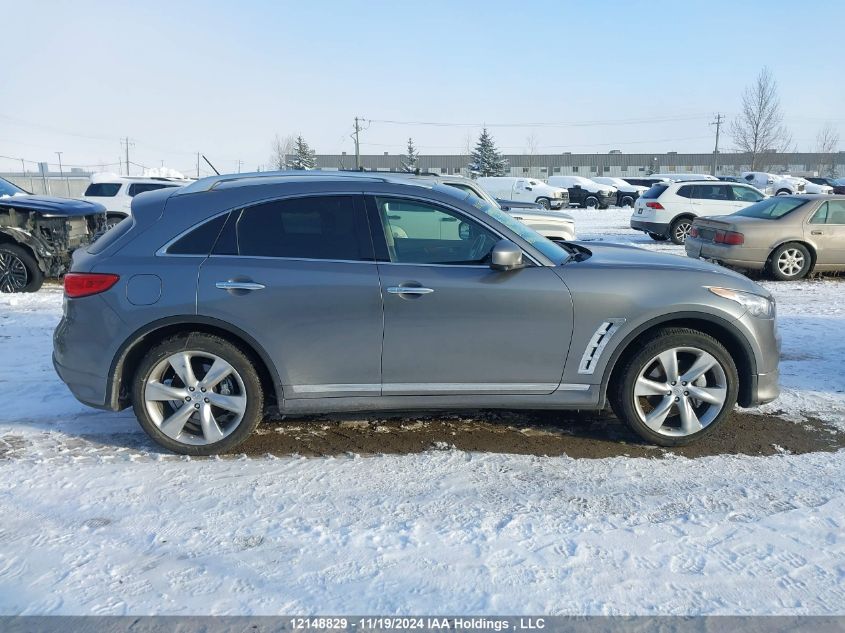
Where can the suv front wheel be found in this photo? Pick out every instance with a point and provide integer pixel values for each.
(197, 395)
(677, 388)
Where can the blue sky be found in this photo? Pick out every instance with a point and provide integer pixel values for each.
(224, 77)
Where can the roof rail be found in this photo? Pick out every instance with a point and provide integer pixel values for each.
(207, 184)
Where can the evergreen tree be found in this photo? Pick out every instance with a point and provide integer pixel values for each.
(486, 159)
(411, 158)
(303, 156)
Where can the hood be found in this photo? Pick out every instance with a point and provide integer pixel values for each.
(53, 207)
(628, 257)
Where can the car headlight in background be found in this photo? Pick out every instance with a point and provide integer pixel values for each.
(760, 307)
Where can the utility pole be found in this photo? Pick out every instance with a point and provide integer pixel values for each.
(357, 145)
(61, 173)
(240, 162)
(31, 183)
(718, 123)
(126, 141)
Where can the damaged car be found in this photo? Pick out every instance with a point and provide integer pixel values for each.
(38, 234)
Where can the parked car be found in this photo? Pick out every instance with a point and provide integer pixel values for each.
(585, 193)
(300, 291)
(626, 193)
(680, 177)
(786, 236)
(115, 192)
(774, 185)
(555, 225)
(729, 178)
(38, 234)
(644, 181)
(666, 211)
(837, 185)
(525, 190)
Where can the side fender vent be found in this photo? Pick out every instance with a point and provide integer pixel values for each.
(597, 343)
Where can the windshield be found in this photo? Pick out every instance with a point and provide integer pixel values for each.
(772, 208)
(8, 189)
(545, 246)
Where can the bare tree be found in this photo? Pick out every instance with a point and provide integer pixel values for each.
(281, 149)
(827, 143)
(532, 145)
(759, 129)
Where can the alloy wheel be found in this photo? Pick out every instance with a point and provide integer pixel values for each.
(195, 398)
(682, 231)
(13, 274)
(791, 262)
(680, 391)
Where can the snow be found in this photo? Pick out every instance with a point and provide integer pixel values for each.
(96, 520)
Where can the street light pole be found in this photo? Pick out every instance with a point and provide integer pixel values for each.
(62, 175)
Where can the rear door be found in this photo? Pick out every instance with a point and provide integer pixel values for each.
(712, 199)
(826, 228)
(298, 275)
(454, 326)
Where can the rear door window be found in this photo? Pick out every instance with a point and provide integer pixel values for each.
(685, 191)
(103, 189)
(831, 212)
(314, 227)
(710, 192)
(140, 187)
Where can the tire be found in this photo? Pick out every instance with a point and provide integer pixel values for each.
(544, 202)
(604, 206)
(674, 417)
(790, 261)
(627, 202)
(591, 202)
(679, 230)
(19, 272)
(657, 237)
(208, 428)
(783, 192)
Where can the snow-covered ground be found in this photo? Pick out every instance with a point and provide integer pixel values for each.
(95, 520)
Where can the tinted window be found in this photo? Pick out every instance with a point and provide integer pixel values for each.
(141, 187)
(8, 189)
(744, 194)
(421, 233)
(655, 191)
(103, 189)
(685, 191)
(832, 212)
(319, 227)
(772, 208)
(201, 240)
(711, 192)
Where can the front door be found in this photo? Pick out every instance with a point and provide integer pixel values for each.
(452, 325)
(298, 275)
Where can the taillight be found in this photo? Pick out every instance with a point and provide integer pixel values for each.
(693, 232)
(86, 284)
(729, 237)
(654, 205)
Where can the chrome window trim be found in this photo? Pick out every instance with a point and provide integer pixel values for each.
(162, 252)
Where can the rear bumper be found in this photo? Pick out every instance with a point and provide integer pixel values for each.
(734, 256)
(658, 228)
(89, 389)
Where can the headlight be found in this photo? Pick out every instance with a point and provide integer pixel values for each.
(760, 307)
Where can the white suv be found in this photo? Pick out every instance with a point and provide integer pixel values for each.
(115, 192)
(666, 211)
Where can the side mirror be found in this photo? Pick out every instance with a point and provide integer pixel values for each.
(506, 256)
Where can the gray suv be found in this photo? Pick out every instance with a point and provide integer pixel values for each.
(319, 292)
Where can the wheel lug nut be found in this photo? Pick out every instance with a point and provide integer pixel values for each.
(677, 399)
(674, 382)
(190, 388)
(686, 393)
(203, 389)
(187, 398)
(207, 400)
(196, 406)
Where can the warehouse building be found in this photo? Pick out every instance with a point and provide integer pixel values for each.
(612, 164)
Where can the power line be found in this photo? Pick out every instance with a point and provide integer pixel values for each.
(663, 119)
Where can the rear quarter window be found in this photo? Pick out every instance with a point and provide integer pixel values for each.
(103, 189)
(200, 240)
(655, 192)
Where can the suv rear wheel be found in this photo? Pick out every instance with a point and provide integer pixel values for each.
(197, 395)
(678, 387)
(679, 230)
(19, 272)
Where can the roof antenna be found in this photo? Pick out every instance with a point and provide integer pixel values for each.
(210, 165)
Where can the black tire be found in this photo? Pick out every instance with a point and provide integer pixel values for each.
(679, 230)
(591, 202)
(627, 201)
(790, 257)
(19, 271)
(200, 343)
(657, 237)
(544, 202)
(629, 407)
(783, 192)
(604, 206)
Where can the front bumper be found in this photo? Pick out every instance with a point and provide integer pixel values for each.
(658, 228)
(558, 203)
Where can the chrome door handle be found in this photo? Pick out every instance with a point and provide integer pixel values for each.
(239, 285)
(409, 290)
(816, 232)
